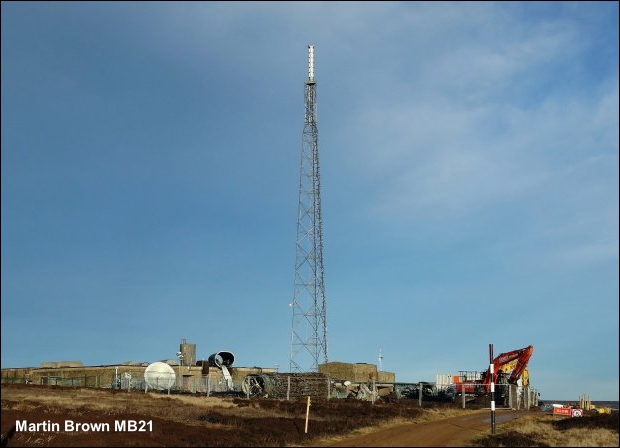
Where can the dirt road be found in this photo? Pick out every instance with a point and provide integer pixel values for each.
(454, 431)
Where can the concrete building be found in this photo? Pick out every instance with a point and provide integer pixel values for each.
(196, 378)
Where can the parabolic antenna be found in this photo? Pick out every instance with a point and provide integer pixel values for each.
(220, 359)
(160, 376)
(224, 360)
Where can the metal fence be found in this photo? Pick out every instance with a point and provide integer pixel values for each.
(507, 396)
(51, 380)
(319, 386)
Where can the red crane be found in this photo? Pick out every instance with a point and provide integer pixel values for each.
(483, 386)
(522, 356)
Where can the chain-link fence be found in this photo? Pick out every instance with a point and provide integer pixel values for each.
(319, 386)
(51, 380)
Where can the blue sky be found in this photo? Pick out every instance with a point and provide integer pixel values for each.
(469, 169)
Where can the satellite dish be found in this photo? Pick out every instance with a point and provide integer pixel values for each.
(220, 359)
(160, 376)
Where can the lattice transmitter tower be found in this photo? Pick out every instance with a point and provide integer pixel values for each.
(309, 329)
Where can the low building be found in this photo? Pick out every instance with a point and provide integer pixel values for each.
(196, 378)
(356, 372)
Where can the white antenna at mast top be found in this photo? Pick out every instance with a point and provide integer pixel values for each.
(380, 358)
(311, 63)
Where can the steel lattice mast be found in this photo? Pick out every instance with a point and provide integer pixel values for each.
(309, 329)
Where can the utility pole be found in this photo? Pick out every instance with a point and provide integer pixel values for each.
(180, 356)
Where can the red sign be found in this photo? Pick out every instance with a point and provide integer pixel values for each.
(562, 411)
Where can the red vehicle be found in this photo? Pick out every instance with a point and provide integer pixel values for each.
(483, 385)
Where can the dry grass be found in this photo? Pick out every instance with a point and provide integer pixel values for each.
(77, 397)
(434, 414)
(549, 430)
(200, 421)
(87, 401)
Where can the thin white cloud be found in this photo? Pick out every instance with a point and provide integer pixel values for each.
(494, 70)
(586, 254)
(434, 156)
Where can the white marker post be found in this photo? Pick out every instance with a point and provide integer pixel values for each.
(307, 414)
(492, 389)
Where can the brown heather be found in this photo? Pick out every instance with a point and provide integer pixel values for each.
(549, 430)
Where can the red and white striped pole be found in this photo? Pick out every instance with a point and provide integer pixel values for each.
(492, 388)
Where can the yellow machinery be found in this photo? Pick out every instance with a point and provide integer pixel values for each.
(585, 403)
(525, 376)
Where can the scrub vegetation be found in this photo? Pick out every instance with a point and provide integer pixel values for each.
(551, 430)
(191, 420)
